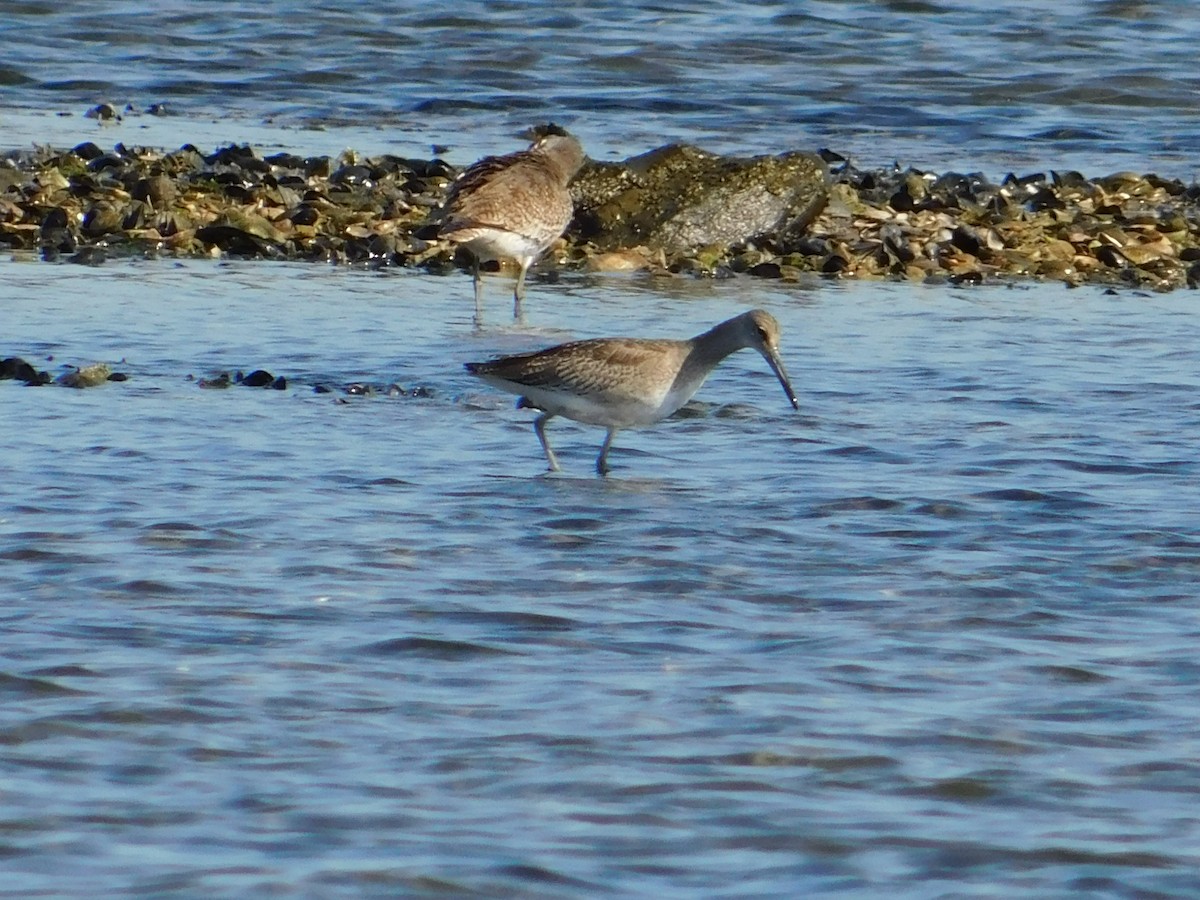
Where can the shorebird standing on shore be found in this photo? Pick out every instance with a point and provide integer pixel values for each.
(627, 382)
(513, 206)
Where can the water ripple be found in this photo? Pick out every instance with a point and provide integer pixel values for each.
(893, 642)
(988, 86)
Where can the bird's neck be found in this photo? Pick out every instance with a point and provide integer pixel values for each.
(718, 342)
(558, 164)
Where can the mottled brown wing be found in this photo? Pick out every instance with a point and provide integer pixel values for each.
(601, 366)
(470, 179)
(514, 193)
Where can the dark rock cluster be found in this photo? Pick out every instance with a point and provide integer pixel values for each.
(1123, 228)
(675, 210)
(17, 369)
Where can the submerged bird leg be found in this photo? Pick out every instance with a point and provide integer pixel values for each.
(539, 425)
(602, 459)
(478, 280)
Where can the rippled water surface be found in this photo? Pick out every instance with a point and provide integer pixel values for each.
(1097, 85)
(935, 635)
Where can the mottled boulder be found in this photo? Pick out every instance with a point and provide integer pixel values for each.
(88, 376)
(679, 198)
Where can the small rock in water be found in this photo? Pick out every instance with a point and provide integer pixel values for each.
(104, 112)
(16, 368)
(88, 256)
(88, 376)
(258, 378)
(619, 261)
(221, 381)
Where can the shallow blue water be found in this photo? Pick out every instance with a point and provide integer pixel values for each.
(933, 635)
(1096, 85)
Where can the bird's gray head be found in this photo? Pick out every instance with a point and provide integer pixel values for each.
(764, 328)
(762, 333)
(563, 151)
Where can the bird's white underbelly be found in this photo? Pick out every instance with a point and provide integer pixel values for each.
(610, 410)
(496, 243)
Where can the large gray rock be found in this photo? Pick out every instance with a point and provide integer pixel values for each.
(679, 198)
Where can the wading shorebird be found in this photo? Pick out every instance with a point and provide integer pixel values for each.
(512, 207)
(627, 382)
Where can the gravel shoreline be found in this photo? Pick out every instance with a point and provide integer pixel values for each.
(673, 212)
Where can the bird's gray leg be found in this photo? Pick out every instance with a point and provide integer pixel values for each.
(602, 459)
(519, 289)
(539, 425)
(478, 279)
